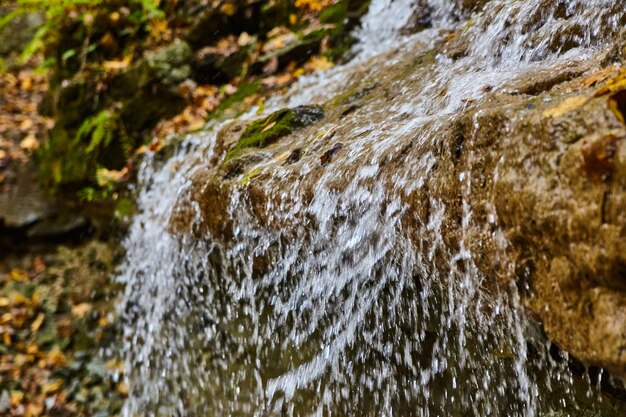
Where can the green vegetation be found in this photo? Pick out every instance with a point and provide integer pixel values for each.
(116, 69)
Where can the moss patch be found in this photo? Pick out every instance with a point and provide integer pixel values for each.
(263, 132)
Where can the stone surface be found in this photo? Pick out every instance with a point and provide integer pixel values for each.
(547, 187)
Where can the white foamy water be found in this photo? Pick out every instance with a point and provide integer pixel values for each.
(344, 309)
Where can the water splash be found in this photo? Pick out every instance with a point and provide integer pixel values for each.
(350, 303)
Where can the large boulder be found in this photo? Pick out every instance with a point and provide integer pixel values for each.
(530, 177)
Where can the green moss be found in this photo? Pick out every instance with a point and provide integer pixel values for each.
(264, 132)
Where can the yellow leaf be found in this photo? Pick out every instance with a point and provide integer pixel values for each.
(229, 9)
(18, 275)
(18, 299)
(36, 297)
(103, 321)
(81, 309)
(52, 387)
(122, 389)
(614, 106)
(117, 65)
(158, 27)
(6, 318)
(6, 339)
(106, 177)
(33, 410)
(32, 349)
(566, 106)
(26, 124)
(16, 398)
(320, 63)
(26, 83)
(614, 84)
(293, 19)
(598, 76)
(4, 302)
(261, 105)
(37, 323)
(56, 357)
(114, 365)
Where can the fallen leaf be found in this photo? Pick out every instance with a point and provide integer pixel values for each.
(229, 9)
(106, 177)
(566, 106)
(33, 410)
(4, 302)
(19, 275)
(16, 398)
(26, 124)
(117, 65)
(319, 63)
(19, 299)
(597, 77)
(52, 387)
(122, 389)
(56, 357)
(81, 309)
(38, 322)
(39, 265)
(614, 84)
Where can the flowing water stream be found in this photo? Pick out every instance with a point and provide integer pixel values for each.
(342, 310)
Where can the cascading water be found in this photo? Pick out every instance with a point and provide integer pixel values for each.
(342, 310)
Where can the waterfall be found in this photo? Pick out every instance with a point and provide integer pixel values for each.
(350, 304)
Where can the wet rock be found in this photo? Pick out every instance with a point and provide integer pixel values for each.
(264, 132)
(327, 156)
(545, 172)
(25, 203)
(15, 35)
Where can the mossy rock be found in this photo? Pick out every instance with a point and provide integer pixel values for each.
(264, 132)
